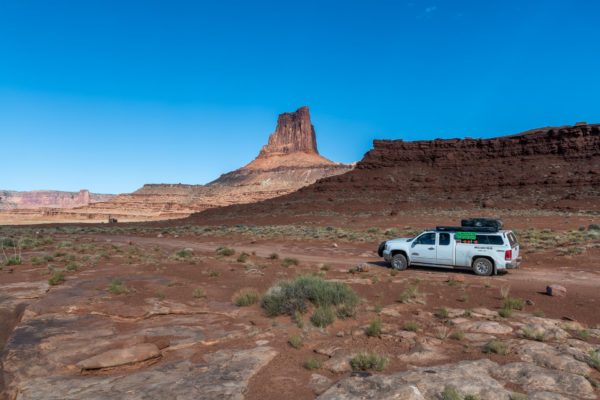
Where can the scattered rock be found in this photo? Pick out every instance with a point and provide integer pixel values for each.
(549, 356)
(319, 383)
(481, 312)
(116, 357)
(338, 364)
(491, 327)
(373, 388)
(556, 290)
(328, 351)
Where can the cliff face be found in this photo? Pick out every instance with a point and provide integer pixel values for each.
(294, 133)
(11, 200)
(548, 168)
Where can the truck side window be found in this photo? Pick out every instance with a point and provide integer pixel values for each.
(444, 239)
(428, 238)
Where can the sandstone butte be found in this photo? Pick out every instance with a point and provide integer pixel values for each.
(289, 161)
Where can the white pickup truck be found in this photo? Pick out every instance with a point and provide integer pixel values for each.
(484, 250)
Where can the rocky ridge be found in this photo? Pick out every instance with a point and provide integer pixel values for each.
(549, 168)
(11, 200)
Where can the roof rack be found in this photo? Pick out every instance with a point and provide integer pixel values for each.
(482, 229)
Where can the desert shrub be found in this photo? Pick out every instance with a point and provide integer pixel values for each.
(225, 251)
(410, 326)
(72, 266)
(539, 313)
(184, 253)
(288, 262)
(377, 308)
(56, 278)
(246, 297)
(295, 341)
(409, 294)
(14, 260)
(312, 363)
(451, 393)
(325, 267)
(593, 359)
(322, 317)
(273, 256)
(441, 313)
(199, 293)
(513, 303)
(504, 291)
(457, 335)
(366, 361)
(496, 347)
(289, 297)
(532, 334)
(117, 287)
(594, 227)
(374, 328)
(505, 312)
(243, 257)
(8, 242)
(214, 274)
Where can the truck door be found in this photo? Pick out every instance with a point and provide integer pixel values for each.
(445, 249)
(423, 249)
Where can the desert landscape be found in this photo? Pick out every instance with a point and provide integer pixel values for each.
(286, 297)
(267, 200)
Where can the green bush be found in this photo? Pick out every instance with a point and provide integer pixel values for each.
(513, 303)
(366, 361)
(243, 257)
(374, 328)
(56, 278)
(409, 294)
(199, 293)
(457, 335)
(451, 393)
(288, 262)
(441, 313)
(246, 297)
(72, 266)
(411, 326)
(184, 253)
(322, 317)
(289, 297)
(295, 341)
(225, 251)
(312, 363)
(14, 260)
(505, 312)
(593, 359)
(117, 287)
(496, 347)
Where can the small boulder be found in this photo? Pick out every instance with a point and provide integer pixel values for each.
(556, 290)
(319, 383)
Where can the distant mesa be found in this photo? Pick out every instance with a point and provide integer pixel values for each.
(289, 161)
(13, 200)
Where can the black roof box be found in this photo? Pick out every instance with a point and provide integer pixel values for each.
(482, 223)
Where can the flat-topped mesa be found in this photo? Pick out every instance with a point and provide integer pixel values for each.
(293, 144)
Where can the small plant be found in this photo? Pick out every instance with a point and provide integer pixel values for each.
(505, 312)
(214, 274)
(518, 396)
(184, 253)
(463, 298)
(583, 334)
(593, 359)
(504, 291)
(225, 251)
(312, 364)
(441, 313)
(243, 257)
(366, 361)
(117, 287)
(539, 313)
(288, 262)
(295, 341)
(14, 260)
(377, 309)
(56, 278)
(467, 313)
(374, 328)
(532, 334)
(442, 332)
(246, 297)
(410, 326)
(513, 303)
(199, 293)
(451, 393)
(325, 267)
(452, 282)
(496, 347)
(409, 294)
(72, 266)
(457, 335)
(322, 317)
(298, 319)
(273, 256)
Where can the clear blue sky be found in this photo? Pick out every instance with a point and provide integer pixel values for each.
(109, 95)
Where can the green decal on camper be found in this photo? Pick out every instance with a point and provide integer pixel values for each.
(465, 236)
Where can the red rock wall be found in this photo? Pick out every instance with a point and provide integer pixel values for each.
(294, 133)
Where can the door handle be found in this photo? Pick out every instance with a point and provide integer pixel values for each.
(432, 248)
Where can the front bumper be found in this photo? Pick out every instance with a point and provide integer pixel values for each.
(514, 264)
(387, 255)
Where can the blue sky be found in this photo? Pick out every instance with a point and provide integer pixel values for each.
(109, 95)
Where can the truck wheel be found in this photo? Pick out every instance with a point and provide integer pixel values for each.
(483, 267)
(399, 262)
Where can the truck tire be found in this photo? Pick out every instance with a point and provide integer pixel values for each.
(483, 266)
(399, 262)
